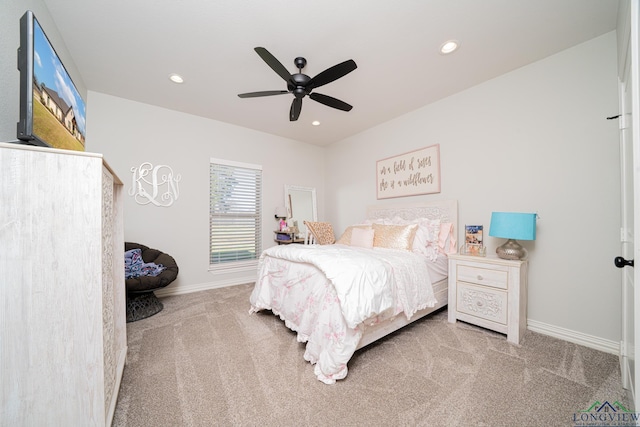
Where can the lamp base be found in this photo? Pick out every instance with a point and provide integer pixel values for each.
(511, 250)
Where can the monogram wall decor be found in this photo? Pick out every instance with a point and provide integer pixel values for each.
(154, 184)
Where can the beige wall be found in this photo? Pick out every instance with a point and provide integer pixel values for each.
(130, 133)
(542, 126)
(533, 140)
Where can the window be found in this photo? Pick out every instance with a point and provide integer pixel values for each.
(235, 203)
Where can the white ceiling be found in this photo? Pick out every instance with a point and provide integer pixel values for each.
(127, 48)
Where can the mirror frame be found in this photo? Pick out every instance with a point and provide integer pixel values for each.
(287, 203)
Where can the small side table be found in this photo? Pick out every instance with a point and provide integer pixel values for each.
(286, 238)
(489, 292)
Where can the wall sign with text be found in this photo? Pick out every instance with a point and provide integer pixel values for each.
(409, 174)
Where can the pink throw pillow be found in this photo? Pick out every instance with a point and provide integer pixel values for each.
(362, 237)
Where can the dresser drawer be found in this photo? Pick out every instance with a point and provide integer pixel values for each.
(483, 276)
(482, 302)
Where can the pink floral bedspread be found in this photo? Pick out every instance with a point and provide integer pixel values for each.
(326, 294)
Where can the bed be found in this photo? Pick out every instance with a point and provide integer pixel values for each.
(341, 297)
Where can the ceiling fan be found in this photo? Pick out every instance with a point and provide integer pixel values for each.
(301, 85)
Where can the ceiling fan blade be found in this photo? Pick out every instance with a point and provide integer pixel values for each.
(263, 93)
(273, 63)
(330, 101)
(296, 107)
(331, 74)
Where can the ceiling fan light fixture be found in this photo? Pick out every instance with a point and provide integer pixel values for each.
(315, 123)
(176, 78)
(449, 46)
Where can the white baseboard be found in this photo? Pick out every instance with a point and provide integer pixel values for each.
(579, 338)
(187, 289)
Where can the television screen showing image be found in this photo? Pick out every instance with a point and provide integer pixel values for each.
(52, 112)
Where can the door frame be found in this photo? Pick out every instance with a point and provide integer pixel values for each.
(628, 56)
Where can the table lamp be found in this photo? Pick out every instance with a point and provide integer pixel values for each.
(512, 226)
(281, 212)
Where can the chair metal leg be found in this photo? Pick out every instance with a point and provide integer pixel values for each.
(142, 305)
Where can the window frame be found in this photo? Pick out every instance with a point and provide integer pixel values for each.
(235, 265)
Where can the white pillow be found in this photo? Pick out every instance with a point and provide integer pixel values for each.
(345, 239)
(426, 240)
(362, 237)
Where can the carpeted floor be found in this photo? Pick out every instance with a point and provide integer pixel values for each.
(204, 361)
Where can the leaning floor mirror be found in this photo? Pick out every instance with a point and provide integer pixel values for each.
(301, 206)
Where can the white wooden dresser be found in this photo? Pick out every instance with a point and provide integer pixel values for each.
(62, 296)
(489, 292)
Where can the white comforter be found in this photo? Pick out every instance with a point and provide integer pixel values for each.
(327, 293)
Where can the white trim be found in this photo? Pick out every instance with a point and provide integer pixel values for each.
(187, 289)
(234, 164)
(575, 337)
(234, 266)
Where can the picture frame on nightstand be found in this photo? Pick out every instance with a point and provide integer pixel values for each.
(473, 241)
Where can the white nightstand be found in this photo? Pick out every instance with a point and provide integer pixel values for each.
(490, 292)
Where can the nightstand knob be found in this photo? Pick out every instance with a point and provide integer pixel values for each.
(480, 277)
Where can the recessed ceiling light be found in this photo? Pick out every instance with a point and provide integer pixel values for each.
(449, 47)
(315, 123)
(176, 78)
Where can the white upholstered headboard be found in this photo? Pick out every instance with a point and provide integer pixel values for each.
(445, 210)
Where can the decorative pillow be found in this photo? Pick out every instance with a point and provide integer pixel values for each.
(345, 239)
(362, 237)
(446, 239)
(426, 240)
(133, 263)
(394, 236)
(322, 232)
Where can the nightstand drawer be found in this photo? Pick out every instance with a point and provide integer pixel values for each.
(486, 303)
(483, 276)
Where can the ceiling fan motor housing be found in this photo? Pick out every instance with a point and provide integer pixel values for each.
(299, 84)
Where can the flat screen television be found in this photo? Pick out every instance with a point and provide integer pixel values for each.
(52, 111)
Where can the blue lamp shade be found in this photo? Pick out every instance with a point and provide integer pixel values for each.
(513, 226)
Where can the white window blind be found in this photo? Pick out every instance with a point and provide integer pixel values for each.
(235, 204)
